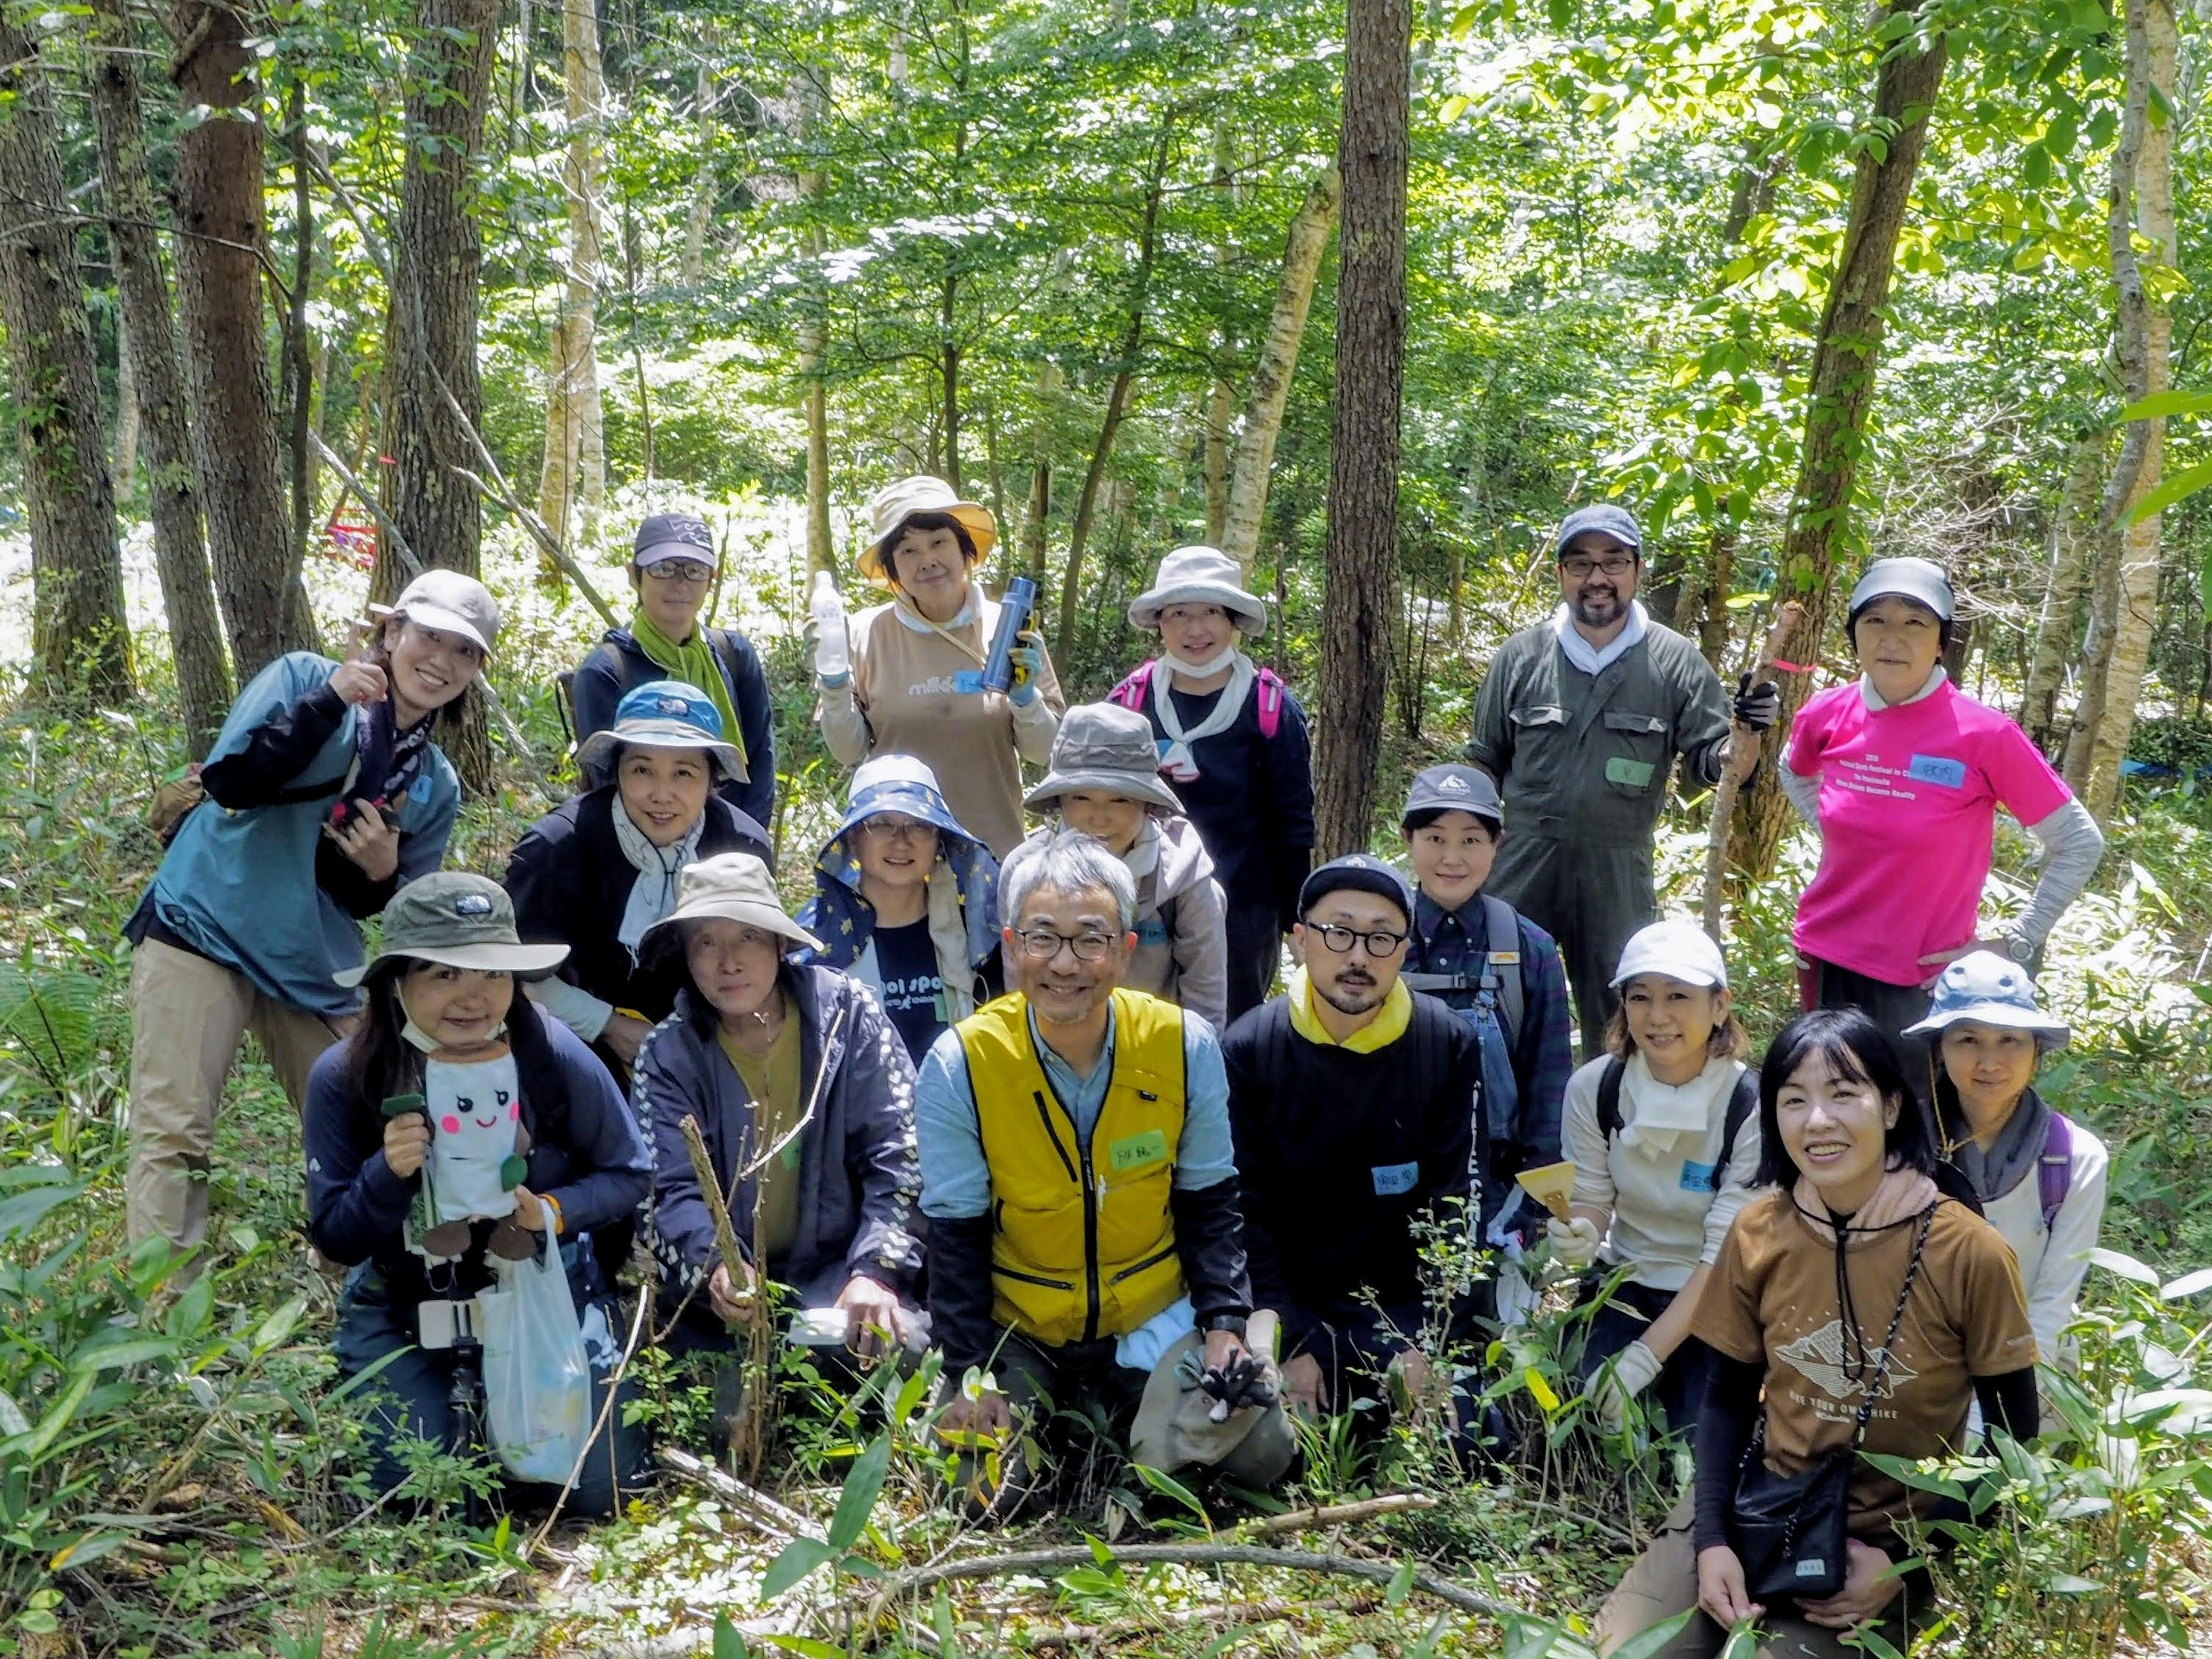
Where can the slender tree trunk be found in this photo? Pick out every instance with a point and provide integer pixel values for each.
(1036, 511)
(147, 336)
(221, 245)
(2073, 534)
(1220, 409)
(127, 418)
(80, 636)
(1845, 354)
(1117, 401)
(813, 347)
(2115, 658)
(1254, 453)
(1362, 550)
(437, 258)
(572, 487)
(948, 323)
(702, 217)
(298, 377)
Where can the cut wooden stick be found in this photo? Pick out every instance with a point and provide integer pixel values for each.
(1337, 1514)
(1731, 780)
(762, 1511)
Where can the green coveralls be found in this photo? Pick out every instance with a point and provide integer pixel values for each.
(1581, 762)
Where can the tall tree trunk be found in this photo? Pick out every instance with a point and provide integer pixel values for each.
(1117, 401)
(572, 486)
(1362, 551)
(1842, 380)
(437, 259)
(813, 344)
(1278, 360)
(948, 323)
(1220, 409)
(127, 418)
(80, 637)
(221, 242)
(146, 335)
(2117, 654)
(2073, 534)
(702, 217)
(298, 361)
(1036, 511)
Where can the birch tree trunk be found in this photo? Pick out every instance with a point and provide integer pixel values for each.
(2115, 654)
(1373, 148)
(1220, 409)
(572, 487)
(80, 637)
(1842, 379)
(2073, 535)
(1254, 452)
(146, 334)
(813, 342)
(127, 417)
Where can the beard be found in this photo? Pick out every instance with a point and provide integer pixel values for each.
(1599, 612)
(1354, 997)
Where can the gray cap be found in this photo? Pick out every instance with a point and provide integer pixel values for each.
(1921, 580)
(1989, 989)
(1612, 520)
(450, 602)
(1453, 789)
(666, 537)
(460, 920)
(1106, 747)
(1356, 873)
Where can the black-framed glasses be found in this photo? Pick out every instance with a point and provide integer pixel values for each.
(689, 572)
(1615, 565)
(1380, 946)
(1043, 944)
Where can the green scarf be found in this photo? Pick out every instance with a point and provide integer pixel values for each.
(692, 661)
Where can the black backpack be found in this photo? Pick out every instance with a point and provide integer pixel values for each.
(1742, 1103)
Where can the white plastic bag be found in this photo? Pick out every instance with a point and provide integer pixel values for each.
(536, 1371)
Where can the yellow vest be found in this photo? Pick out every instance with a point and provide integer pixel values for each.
(1083, 1242)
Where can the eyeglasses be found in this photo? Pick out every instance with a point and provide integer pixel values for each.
(1613, 564)
(687, 571)
(1380, 946)
(897, 828)
(1043, 944)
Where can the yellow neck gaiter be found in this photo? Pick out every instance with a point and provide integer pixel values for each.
(1385, 1029)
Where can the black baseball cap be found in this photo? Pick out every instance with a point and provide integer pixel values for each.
(1356, 873)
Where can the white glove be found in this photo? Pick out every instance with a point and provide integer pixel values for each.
(1574, 1243)
(1633, 1371)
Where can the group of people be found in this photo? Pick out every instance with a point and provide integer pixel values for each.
(1014, 1082)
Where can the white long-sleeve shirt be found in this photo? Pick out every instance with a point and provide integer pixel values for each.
(2052, 1264)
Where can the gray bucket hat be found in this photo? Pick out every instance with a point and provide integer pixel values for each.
(1988, 989)
(728, 887)
(460, 920)
(1921, 580)
(1105, 746)
(450, 602)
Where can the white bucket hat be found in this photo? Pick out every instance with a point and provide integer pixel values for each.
(1199, 575)
(729, 887)
(889, 508)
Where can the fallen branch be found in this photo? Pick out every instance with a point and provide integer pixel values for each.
(1044, 1562)
(1336, 1514)
(754, 1504)
(1245, 1616)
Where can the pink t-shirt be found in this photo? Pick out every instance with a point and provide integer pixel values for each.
(1908, 810)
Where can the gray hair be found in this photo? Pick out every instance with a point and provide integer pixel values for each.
(1068, 861)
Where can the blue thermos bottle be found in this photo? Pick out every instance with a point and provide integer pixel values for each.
(1013, 616)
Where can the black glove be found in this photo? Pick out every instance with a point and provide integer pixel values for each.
(1757, 706)
(1249, 1382)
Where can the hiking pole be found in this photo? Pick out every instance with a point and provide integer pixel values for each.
(1731, 779)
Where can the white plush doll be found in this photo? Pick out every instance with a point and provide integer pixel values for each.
(477, 1147)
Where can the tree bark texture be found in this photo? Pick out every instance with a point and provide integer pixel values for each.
(813, 347)
(702, 217)
(1845, 355)
(1362, 548)
(221, 251)
(573, 483)
(127, 418)
(2072, 533)
(1218, 410)
(1254, 453)
(2116, 656)
(146, 334)
(80, 636)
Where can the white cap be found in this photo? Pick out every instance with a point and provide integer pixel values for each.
(1679, 950)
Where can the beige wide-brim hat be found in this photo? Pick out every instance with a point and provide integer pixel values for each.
(1199, 575)
(728, 887)
(889, 508)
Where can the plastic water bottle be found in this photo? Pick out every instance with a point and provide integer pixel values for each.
(833, 652)
(1013, 616)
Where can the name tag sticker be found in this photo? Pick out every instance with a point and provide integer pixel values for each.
(1938, 770)
(1697, 1177)
(1391, 1179)
(1503, 959)
(1138, 1151)
(420, 789)
(968, 682)
(1629, 774)
(1151, 931)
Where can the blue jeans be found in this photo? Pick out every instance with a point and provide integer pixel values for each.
(409, 1398)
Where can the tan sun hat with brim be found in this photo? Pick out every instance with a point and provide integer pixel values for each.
(1199, 575)
(889, 508)
(459, 920)
(728, 887)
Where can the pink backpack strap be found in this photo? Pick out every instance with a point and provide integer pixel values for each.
(1135, 688)
(1272, 692)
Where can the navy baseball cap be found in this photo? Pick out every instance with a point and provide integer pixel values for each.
(1613, 521)
(1357, 872)
(666, 537)
(1440, 789)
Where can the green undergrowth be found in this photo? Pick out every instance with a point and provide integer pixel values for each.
(175, 1469)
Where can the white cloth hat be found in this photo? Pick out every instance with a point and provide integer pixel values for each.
(1199, 575)
(889, 508)
(1679, 950)
(449, 602)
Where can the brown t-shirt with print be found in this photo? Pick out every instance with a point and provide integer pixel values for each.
(1772, 1300)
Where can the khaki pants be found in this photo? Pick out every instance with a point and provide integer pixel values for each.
(1664, 1580)
(187, 1015)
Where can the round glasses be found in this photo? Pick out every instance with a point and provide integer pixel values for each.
(1380, 946)
(1043, 944)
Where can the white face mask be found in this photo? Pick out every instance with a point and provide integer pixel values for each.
(420, 1040)
(1199, 670)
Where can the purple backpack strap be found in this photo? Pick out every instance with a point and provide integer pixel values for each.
(1271, 693)
(1134, 688)
(2054, 1171)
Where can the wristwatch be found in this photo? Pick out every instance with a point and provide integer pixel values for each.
(1233, 1323)
(2020, 948)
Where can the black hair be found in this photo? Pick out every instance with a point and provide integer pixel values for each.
(931, 521)
(1858, 1051)
(1943, 628)
(450, 720)
(1950, 1126)
(378, 1061)
(1428, 815)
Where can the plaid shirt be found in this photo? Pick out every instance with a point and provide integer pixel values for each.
(1456, 942)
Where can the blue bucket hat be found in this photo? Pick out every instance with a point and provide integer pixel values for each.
(1989, 989)
(662, 714)
(900, 784)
